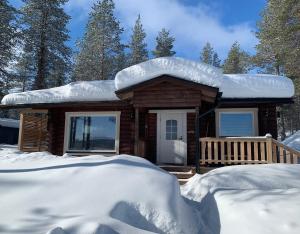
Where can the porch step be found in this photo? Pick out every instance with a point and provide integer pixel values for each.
(183, 173)
(176, 168)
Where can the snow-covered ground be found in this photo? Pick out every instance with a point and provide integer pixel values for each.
(248, 199)
(293, 141)
(42, 193)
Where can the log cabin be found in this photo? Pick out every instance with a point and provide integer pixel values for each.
(158, 109)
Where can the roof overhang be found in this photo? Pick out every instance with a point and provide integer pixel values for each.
(278, 101)
(117, 103)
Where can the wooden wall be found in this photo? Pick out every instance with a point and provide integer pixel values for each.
(148, 127)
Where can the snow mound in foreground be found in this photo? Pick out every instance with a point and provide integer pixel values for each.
(178, 67)
(293, 141)
(248, 199)
(91, 195)
(256, 86)
(100, 90)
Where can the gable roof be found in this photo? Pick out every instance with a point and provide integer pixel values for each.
(231, 86)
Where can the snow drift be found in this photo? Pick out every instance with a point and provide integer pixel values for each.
(293, 141)
(90, 195)
(248, 199)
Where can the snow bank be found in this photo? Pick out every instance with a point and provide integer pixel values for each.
(293, 141)
(173, 66)
(256, 86)
(77, 91)
(89, 195)
(10, 123)
(248, 199)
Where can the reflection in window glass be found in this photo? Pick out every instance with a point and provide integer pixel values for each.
(171, 130)
(92, 133)
(236, 124)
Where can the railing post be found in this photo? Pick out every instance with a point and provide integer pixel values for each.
(197, 140)
(269, 148)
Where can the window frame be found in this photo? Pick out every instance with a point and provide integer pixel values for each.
(68, 116)
(253, 111)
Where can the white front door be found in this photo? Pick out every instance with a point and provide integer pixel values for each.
(171, 137)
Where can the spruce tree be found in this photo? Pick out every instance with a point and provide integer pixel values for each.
(101, 54)
(164, 44)
(8, 37)
(45, 57)
(138, 47)
(216, 61)
(237, 60)
(207, 54)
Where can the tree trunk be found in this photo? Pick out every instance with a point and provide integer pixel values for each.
(39, 82)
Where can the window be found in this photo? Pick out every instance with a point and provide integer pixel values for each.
(92, 132)
(171, 130)
(236, 122)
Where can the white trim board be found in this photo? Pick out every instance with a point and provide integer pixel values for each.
(173, 111)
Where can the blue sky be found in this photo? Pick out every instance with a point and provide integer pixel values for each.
(192, 22)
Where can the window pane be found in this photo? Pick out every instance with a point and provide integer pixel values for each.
(92, 133)
(171, 129)
(236, 124)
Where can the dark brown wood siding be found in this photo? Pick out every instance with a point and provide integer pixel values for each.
(267, 120)
(57, 127)
(151, 137)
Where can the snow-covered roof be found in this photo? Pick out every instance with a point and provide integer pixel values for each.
(178, 67)
(232, 86)
(100, 90)
(10, 123)
(256, 86)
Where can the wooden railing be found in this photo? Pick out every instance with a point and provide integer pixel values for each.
(246, 150)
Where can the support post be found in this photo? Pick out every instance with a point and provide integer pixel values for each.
(136, 132)
(197, 137)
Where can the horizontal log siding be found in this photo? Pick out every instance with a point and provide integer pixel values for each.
(168, 95)
(151, 137)
(57, 127)
(267, 120)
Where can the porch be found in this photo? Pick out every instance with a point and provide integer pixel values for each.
(245, 150)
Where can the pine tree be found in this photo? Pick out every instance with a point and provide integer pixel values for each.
(8, 37)
(216, 61)
(237, 60)
(45, 54)
(137, 45)
(278, 51)
(207, 54)
(101, 54)
(164, 44)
